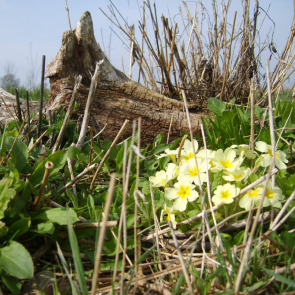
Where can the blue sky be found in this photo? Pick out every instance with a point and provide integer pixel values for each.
(31, 28)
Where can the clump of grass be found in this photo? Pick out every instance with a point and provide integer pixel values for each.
(34, 94)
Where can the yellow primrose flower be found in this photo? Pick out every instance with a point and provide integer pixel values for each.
(170, 215)
(244, 150)
(225, 194)
(265, 159)
(169, 153)
(273, 196)
(187, 150)
(226, 160)
(210, 156)
(251, 198)
(237, 175)
(189, 172)
(182, 192)
(160, 179)
(172, 171)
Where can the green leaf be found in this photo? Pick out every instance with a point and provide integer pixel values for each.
(58, 215)
(73, 153)
(58, 159)
(16, 261)
(91, 207)
(13, 284)
(44, 228)
(19, 227)
(119, 158)
(280, 278)
(19, 154)
(6, 194)
(216, 106)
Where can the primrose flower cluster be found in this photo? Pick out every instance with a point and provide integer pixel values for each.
(187, 171)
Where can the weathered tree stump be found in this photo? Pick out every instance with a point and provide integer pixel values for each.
(117, 98)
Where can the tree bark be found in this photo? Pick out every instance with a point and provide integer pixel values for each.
(117, 98)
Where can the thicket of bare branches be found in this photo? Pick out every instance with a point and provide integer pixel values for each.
(206, 54)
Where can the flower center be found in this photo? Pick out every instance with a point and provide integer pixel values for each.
(270, 152)
(225, 194)
(253, 193)
(189, 156)
(269, 194)
(193, 172)
(238, 176)
(226, 164)
(184, 191)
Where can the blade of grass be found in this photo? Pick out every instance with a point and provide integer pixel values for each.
(75, 291)
(280, 278)
(77, 259)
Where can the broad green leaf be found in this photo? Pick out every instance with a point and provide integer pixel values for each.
(16, 261)
(58, 159)
(6, 194)
(19, 154)
(216, 106)
(44, 228)
(73, 153)
(58, 215)
(19, 227)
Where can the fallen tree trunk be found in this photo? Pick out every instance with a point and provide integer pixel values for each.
(117, 98)
(8, 107)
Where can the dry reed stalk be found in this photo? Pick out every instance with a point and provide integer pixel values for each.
(181, 260)
(28, 112)
(205, 217)
(96, 224)
(209, 189)
(246, 254)
(271, 120)
(102, 233)
(78, 177)
(90, 99)
(67, 115)
(275, 224)
(156, 223)
(137, 250)
(41, 96)
(125, 184)
(107, 154)
(19, 110)
(68, 14)
(227, 58)
(48, 168)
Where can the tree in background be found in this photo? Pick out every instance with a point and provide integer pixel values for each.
(9, 80)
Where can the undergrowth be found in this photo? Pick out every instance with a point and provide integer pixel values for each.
(53, 225)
